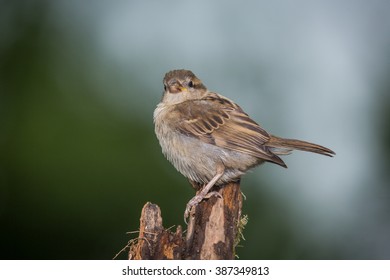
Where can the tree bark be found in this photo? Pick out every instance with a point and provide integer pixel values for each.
(213, 231)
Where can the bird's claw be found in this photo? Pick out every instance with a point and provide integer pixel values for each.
(196, 200)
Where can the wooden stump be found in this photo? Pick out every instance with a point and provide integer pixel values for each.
(213, 230)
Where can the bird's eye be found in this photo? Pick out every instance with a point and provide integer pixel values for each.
(191, 84)
(165, 88)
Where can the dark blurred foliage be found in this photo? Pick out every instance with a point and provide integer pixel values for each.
(74, 173)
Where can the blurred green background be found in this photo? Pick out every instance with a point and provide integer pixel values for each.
(79, 81)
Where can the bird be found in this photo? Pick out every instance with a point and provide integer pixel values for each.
(210, 140)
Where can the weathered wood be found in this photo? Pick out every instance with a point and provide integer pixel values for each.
(212, 233)
(155, 242)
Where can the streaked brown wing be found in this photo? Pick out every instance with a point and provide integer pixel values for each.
(219, 121)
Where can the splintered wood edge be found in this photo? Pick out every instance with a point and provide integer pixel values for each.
(150, 221)
(150, 229)
(155, 242)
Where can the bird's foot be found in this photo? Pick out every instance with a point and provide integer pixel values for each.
(196, 200)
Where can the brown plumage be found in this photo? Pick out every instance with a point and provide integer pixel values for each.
(210, 139)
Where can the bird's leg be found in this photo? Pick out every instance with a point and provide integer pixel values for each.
(204, 193)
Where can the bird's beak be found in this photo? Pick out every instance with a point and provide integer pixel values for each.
(176, 88)
(181, 88)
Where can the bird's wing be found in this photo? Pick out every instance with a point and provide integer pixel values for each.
(219, 121)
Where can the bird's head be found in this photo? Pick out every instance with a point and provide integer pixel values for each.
(181, 85)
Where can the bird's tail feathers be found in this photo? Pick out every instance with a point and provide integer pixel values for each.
(282, 146)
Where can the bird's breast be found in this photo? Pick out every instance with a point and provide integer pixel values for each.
(194, 158)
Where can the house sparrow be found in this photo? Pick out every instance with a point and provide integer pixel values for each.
(210, 139)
